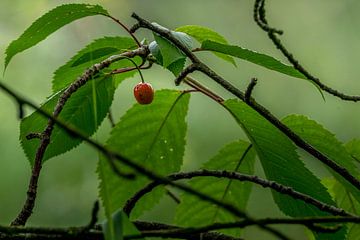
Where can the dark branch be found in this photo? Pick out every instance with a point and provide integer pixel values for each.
(253, 104)
(259, 17)
(135, 166)
(307, 222)
(249, 89)
(189, 69)
(151, 229)
(94, 217)
(130, 204)
(75, 233)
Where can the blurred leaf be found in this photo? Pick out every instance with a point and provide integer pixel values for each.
(202, 34)
(325, 142)
(78, 112)
(193, 212)
(345, 200)
(119, 226)
(282, 164)
(95, 52)
(49, 23)
(152, 135)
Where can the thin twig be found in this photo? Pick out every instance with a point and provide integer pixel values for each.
(249, 89)
(259, 17)
(126, 29)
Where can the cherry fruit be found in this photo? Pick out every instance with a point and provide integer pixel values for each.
(144, 93)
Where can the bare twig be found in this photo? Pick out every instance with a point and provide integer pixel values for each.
(249, 89)
(259, 17)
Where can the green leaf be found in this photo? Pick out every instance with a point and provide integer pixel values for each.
(119, 226)
(168, 51)
(325, 142)
(192, 212)
(49, 23)
(151, 135)
(253, 57)
(95, 52)
(353, 148)
(202, 34)
(281, 163)
(257, 58)
(78, 112)
(175, 67)
(167, 54)
(344, 200)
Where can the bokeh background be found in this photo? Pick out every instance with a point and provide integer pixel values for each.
(323, 34)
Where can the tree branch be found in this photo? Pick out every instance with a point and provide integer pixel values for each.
(252, 103)
(259, 17)
(130, 204)
(111, 156)
(76, 233)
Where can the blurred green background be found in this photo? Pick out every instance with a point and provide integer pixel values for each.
(322, 34)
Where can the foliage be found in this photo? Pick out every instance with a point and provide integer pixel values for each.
(149, 141)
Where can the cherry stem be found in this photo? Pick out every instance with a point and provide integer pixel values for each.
(137, 67)
(126, 29)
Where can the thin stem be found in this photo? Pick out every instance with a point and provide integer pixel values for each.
(126, 29)
(137, 67)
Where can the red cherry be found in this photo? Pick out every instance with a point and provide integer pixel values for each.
(144, 93)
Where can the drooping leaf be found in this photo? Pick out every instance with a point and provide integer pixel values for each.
(78, 112)
(49, 23)
(167, 54)
(168, 51)
(193, 212)
(202, 34)
(282, 164)
(95, 52)
(152, 135)
(175, 67)
(119, 226)
(346, 201)
(325, 142)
